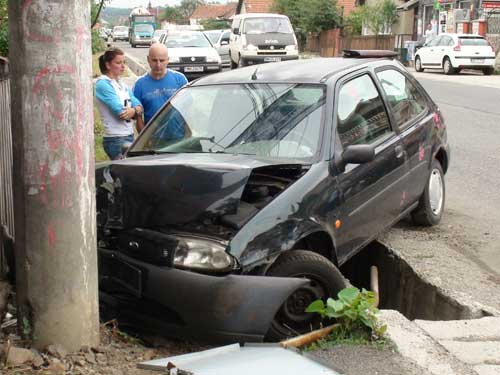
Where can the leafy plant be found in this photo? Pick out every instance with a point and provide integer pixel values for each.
(4, 29)
(380, 16)
(354, 21)
(354, 311)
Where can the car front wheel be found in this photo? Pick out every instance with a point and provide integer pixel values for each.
(325, 281)
(418, 65)
(447, 67)
(431, 204)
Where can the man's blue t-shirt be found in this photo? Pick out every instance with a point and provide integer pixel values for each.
(154, 93)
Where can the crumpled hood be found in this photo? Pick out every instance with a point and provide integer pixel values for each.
(172, 189)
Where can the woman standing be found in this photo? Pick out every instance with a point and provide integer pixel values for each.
(117, 104)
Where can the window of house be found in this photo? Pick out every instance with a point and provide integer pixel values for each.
(361, 115)
(405, 99)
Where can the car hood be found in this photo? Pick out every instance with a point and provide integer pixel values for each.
(198, 51)
(172, 189)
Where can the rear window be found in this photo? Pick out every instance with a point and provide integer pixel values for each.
(467, 41)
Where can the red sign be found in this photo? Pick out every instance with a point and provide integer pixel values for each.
(491, 4)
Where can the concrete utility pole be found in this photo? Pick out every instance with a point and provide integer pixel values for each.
(54, 200)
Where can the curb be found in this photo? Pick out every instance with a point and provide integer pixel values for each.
(135, 66)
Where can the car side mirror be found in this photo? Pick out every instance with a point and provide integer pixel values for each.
(224, 43)
(236, 30)
(355, 154)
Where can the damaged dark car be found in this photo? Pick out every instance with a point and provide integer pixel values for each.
(236, 206)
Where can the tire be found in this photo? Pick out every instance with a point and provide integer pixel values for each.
(241, 63)
(233, 64)
(488, 71)
(448, 69)
(418, 65)
(431, 204)
(326, 281)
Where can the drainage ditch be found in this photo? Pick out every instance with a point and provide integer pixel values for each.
(402, 289)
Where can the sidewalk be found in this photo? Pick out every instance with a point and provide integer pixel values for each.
(467, 77)
(456, 347)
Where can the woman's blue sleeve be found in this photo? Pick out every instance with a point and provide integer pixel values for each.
(107, 94)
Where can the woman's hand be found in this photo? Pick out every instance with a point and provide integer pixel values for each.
(127, 114)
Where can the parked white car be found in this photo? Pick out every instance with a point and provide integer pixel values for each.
(220, 41)
(454, 52)
(191, 53)
(157, 35)
(120, 33)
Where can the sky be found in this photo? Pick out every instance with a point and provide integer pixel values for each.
(144, 3)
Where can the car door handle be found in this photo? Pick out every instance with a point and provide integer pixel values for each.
(399, 151)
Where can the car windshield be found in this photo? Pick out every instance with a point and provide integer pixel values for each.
(143, 28)
(213, 35)
(121, 28)
(187, 39)
(473, 41)
(267, 25)
(267, 120)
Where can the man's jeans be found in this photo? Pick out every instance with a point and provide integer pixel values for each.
(114, 145)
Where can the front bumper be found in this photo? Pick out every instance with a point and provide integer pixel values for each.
(196, 70)
(259, 59)
(232, 308)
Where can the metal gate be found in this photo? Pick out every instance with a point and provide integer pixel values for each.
(493, 20)
(6, 200)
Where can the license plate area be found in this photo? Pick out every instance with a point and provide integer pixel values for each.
(193, 69)
(477, 61)
(272, 59)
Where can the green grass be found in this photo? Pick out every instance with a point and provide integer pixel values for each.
(100, 155)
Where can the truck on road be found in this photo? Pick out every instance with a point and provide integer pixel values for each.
(142, 27)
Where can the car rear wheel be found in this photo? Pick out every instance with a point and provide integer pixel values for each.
(233, 64)
(488, 71)
(418, 65)
(241, 63)
(431, 204)
(325, 281)
(447, 67)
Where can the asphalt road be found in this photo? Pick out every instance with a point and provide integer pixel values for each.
(470, 103)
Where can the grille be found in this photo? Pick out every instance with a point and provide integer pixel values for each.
(270, 53)
(275, 47)
(197, 60)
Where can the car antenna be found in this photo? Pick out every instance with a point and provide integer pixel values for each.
(254, 75)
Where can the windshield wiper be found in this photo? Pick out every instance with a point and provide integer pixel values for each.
(148, 152)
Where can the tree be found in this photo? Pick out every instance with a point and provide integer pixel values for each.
(4, 29)
(211, 24)
(321, 15)
(354, 21)
(172, 15)
(188, 7)
(380, 16)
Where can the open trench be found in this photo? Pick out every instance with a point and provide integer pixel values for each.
(402, 289)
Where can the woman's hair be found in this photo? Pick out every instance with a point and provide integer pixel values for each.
(108, 56)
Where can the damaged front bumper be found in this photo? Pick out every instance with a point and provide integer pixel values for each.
(178, 303)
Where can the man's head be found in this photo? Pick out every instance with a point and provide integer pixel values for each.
(158, 60)
(429, 26)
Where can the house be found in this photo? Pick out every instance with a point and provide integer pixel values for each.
(213, 12)
(256, 6)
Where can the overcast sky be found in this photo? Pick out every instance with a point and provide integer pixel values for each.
(144, 3)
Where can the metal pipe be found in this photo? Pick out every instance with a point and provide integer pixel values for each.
(374, 283)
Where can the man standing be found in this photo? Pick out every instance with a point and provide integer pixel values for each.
(429, 33)
(156, 87)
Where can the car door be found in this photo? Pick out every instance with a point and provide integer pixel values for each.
(443, 48)
(411, 114)
(370, 192)
(432, 58)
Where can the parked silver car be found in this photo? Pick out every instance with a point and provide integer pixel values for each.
(220, 41)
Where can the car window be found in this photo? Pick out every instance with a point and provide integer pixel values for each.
(225, 37)
(213, 36)
(433, 42)
(446, 41)
(405, 99)
(187, 40)
(361, 115)
(473, 41)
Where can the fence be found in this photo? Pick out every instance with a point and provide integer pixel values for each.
(6, 200)
(330, 43)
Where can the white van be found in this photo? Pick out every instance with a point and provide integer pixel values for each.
(261, 37)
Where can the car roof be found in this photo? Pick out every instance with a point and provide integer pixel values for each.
(251, 15)
(462, 35)
(297, 71)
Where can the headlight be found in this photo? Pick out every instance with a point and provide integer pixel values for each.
(212, 59)
(203, 255)
(291, 47)
(251, 47)
(174, 59)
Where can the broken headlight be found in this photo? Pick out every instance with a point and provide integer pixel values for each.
(202, 255)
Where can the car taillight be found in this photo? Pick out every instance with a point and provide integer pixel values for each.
(458, 47)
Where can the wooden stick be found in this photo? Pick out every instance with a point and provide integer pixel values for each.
(308, 338)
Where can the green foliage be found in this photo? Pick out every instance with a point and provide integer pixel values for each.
(354, 311)
(98, 43)
(187, 7)
(310, 15)
(172, 15)
(381, 15)
(4, 29)
(354, 21)
(215, 24)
